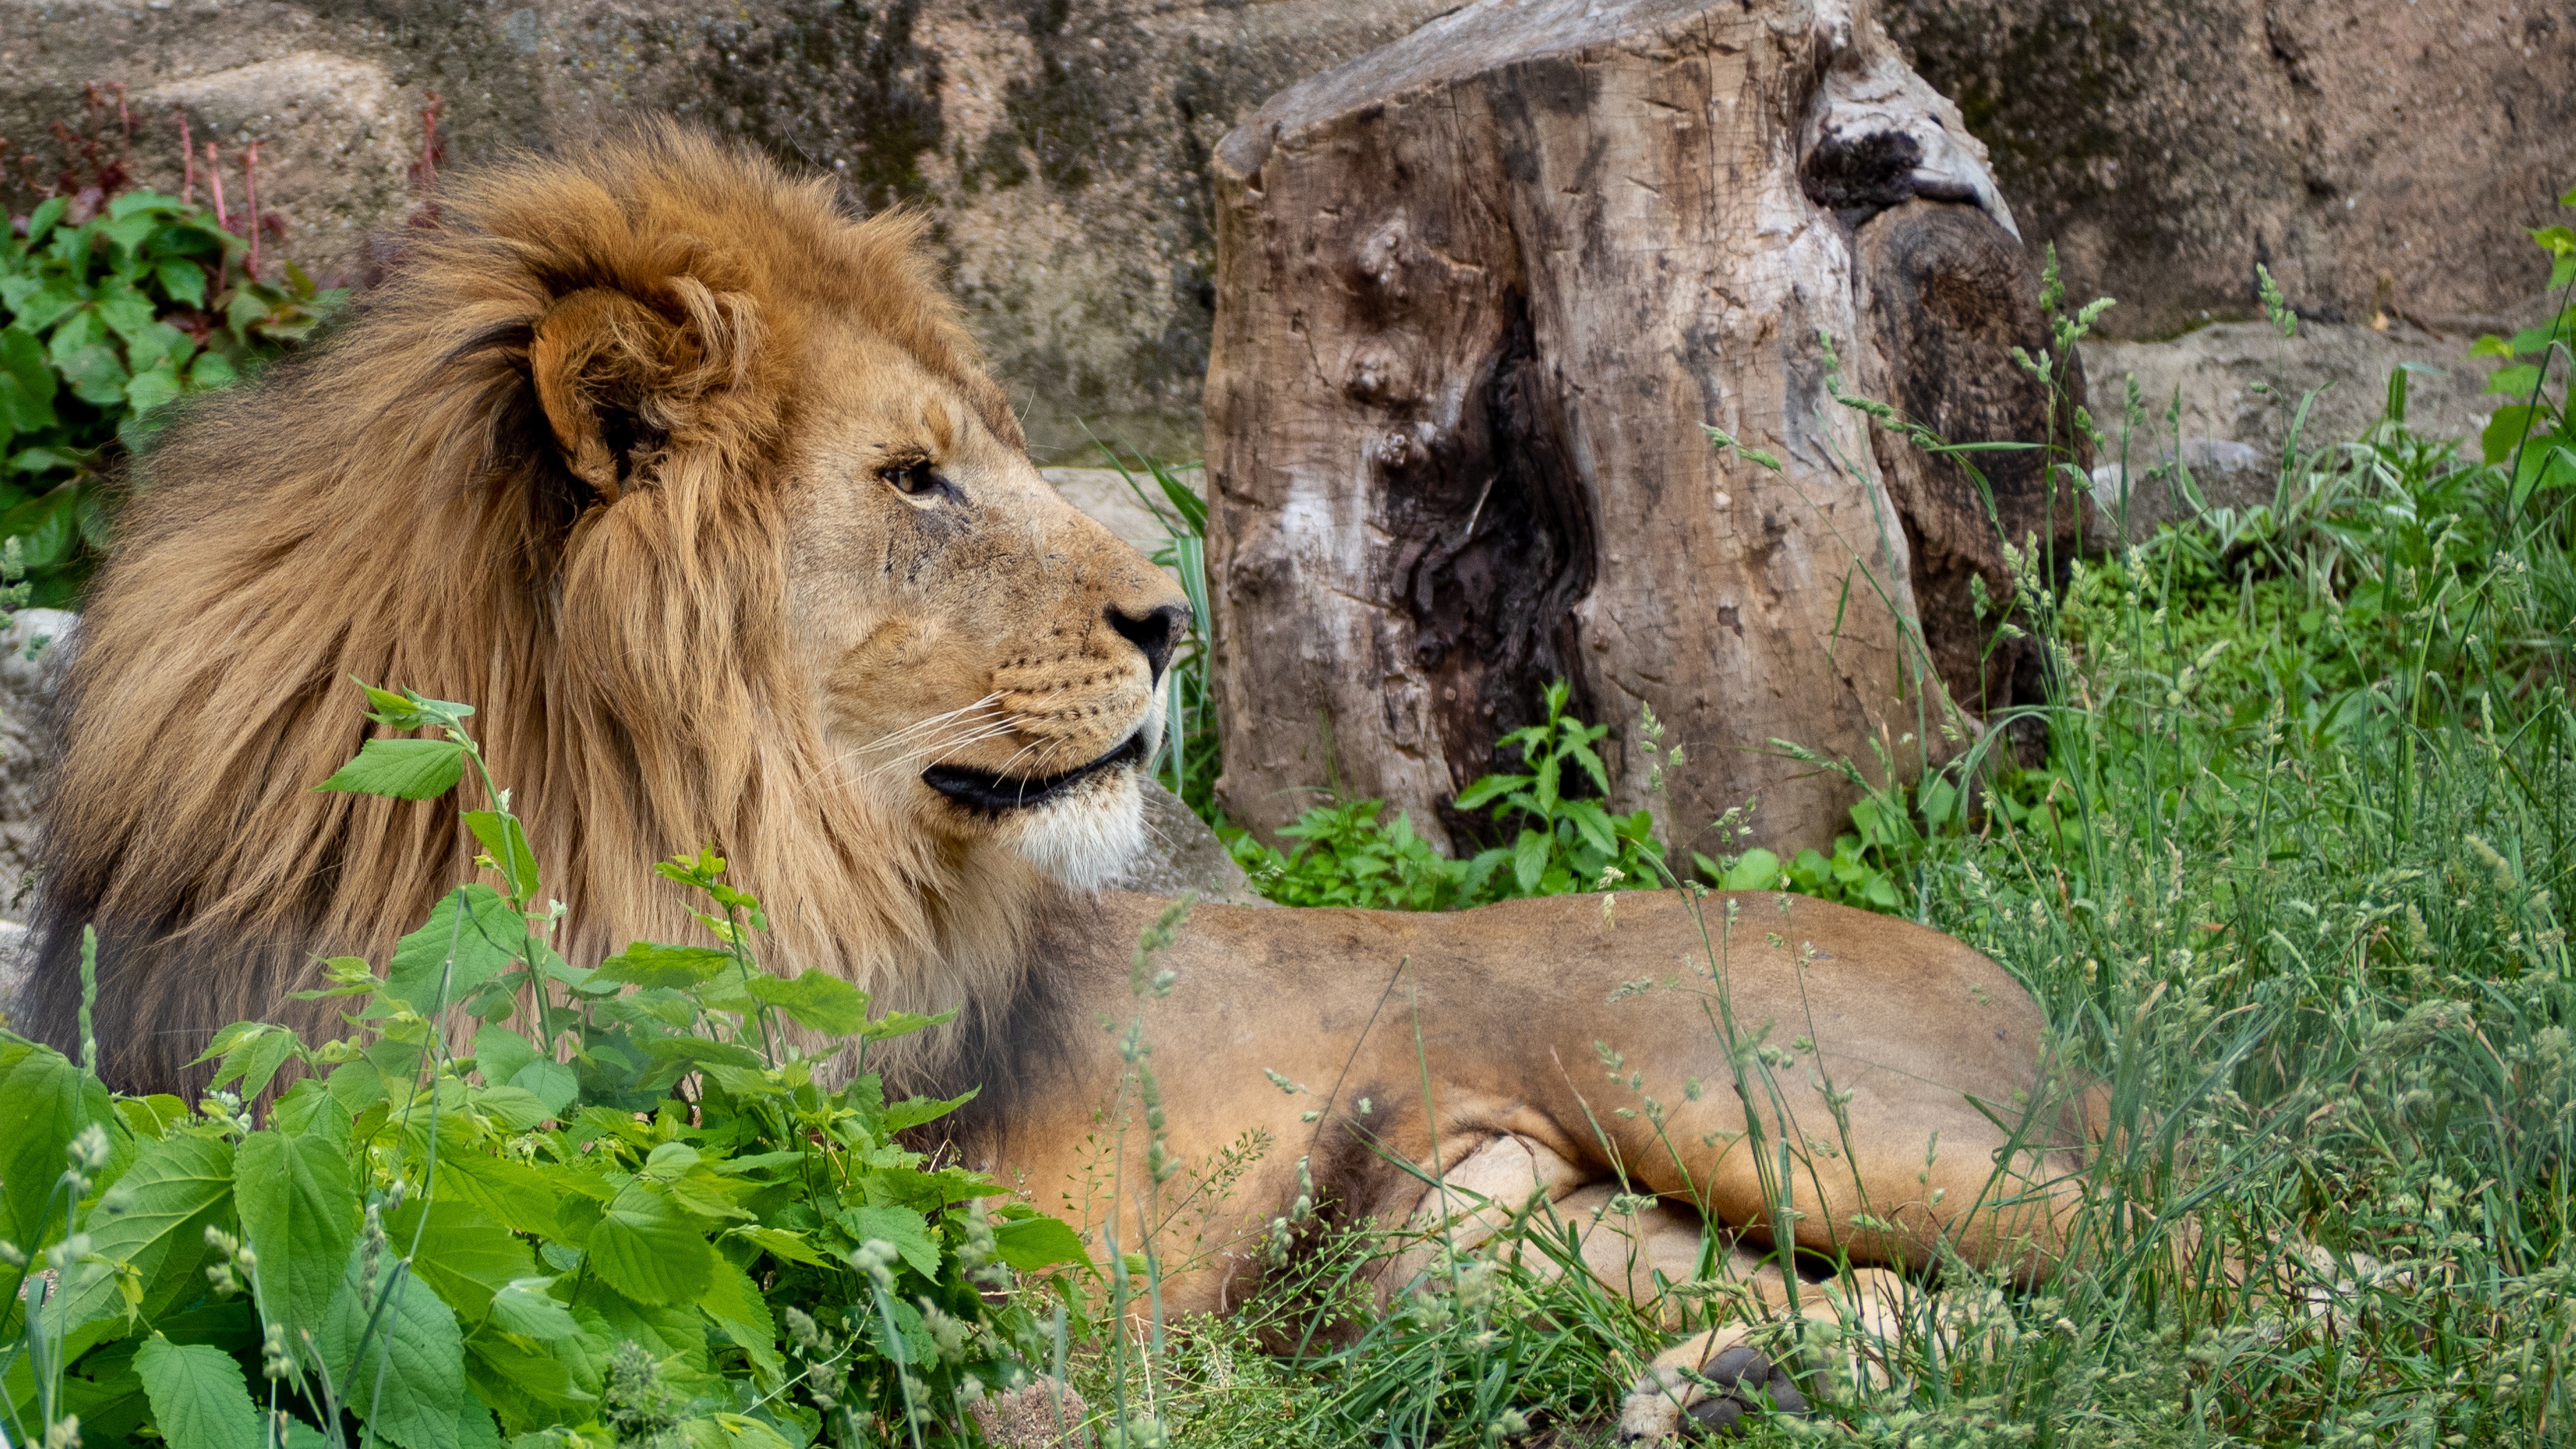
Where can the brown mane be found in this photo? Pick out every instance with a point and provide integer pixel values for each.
(393, 507)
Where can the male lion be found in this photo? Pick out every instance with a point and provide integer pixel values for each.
(693, 484)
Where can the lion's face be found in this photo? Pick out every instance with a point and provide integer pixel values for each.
(984, 656)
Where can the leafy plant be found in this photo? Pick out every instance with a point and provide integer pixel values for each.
(113, 304)
(2531, 436)
(641, 1213)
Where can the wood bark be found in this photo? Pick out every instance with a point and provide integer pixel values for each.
(1483, 294)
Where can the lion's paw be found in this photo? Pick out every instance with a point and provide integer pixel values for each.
(1707, 1385)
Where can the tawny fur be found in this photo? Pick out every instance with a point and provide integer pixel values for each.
(396, 508)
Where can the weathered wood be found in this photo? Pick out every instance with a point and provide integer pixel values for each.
(1482, 293)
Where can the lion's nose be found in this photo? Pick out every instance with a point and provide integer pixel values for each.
(1157, 633)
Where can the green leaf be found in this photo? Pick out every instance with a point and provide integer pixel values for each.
(816, 1001)
(200, 1399)
(735, 1305)
(1029, 1244)
(1529, 859)
(520, 1196)
(674, 968)
(406, 1378)
(522, 1306)
(299, 1213)
(507, 842)
(42, 219)
(1488, 788)
(212, 370)
(647, 1248)
(44, 1102)
(553, 1084)
(902, 1227)
(403, 769)
(780, 1243)
(181, 280)
(2505, 431)
(153, 1221)
(499, 1053)
(23, 358)
(487, 933)
(252, 1052)
(152, 387)
(516, 1108)
(463, 1255)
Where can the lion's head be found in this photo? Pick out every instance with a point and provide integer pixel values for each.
(694, 486)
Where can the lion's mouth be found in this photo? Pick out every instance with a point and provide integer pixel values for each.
(991, 794)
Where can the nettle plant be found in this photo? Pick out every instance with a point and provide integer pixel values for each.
(640, 1214)
(2531, 433)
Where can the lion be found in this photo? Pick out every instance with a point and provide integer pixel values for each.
(696, 487)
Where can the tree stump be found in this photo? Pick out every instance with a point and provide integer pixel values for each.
(1482, 296)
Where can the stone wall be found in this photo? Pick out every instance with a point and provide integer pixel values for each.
(2381, 155)
(1060, 145)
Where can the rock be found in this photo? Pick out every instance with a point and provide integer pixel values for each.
(2147, 493)
(1060, 146)
(33, 647)
(2383, 159)
(1183, 854)
(1105, 494)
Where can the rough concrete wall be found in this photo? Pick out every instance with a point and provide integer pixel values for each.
(1059, 145)
(2378, 155)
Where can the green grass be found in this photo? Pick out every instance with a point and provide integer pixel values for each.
(2289, 881)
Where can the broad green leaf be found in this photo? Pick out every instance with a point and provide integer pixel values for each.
(735, 1305)
(152, 1223)
(1032, 1243)
(152, 387)
(647, 1248)
(299, 1212)
(2506, 430)
(200, 1400)
(1529, 858)
(182, 279)
(904, 1228)
(462, 1254)
(535, 1373)
(499, 1053)
(522, 1306)
(914, 1111)
(212, 370)
(126, 312)
(403, 769)
(673, 968)
(516, 1108)
(96, 373)
(44, 527)
(44, 1102)
(779, 1242)
(406, 1378)
(816, 1001)
(507, 843)
(151, 1117)
(43, 218)
(486, 932)
(520, 1196)
(1485, 790)
(252, 1052)
(553, 1084)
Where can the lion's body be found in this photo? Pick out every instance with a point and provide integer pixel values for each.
(694, 488)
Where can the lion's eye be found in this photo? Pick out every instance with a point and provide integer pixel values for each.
(913, 479)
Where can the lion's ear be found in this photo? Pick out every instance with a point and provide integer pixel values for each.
(604, 364)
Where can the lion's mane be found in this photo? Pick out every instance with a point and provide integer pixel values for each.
(393, 507)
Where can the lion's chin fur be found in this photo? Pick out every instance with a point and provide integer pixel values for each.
(1084, 842)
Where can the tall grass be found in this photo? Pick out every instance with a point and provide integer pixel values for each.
(2289, 883)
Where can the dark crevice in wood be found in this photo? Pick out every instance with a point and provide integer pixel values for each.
(1494, 546)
